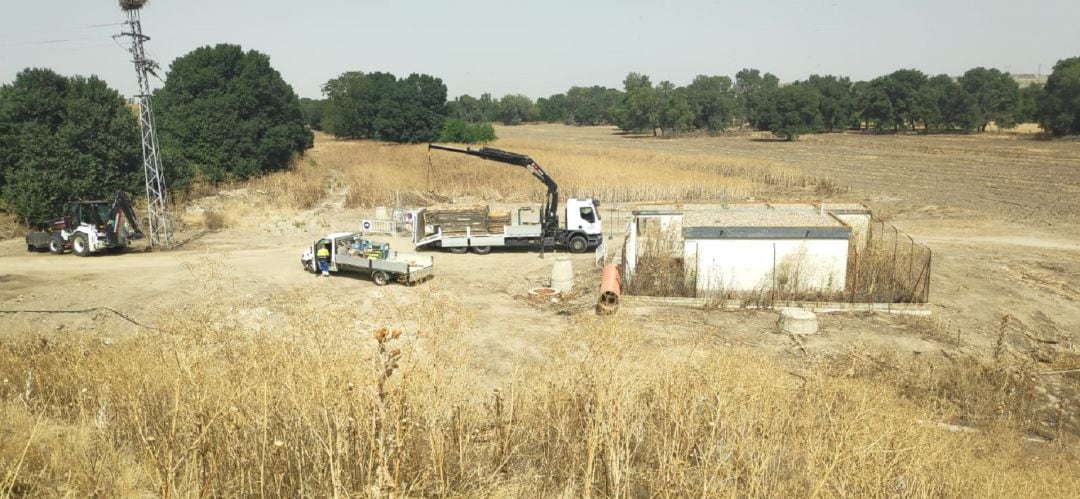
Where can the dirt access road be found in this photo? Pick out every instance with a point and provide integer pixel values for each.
(253, 271)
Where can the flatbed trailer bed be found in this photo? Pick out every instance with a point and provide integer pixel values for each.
(404, 267)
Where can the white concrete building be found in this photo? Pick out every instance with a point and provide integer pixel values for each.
(747, 247)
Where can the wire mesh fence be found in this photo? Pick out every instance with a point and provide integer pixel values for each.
(884, 265)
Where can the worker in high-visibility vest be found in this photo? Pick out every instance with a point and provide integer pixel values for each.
(322, 255)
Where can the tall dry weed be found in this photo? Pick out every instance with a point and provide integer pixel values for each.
(330, 398)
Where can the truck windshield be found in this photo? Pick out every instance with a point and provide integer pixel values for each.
(587, 214)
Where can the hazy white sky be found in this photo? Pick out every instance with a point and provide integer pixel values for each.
(543, 47)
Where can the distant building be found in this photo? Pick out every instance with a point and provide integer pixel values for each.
(1026, 80)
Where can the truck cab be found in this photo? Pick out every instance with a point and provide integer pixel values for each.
(583, 215)
(582, 226)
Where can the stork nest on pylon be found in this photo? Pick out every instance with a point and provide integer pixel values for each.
(132, 4)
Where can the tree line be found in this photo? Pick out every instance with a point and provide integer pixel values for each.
(227, 114)
(903, 100)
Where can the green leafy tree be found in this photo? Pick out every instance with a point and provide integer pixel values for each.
(553, 109)
(227, 114)
(591, 105)
(875, 108)
(712, 101)
(753, 96)
(380, 106)
(640, 106)
(515, 109)
(946, 105)
(996, 96)
(795, 109)
(931, 101)
(1059, 112)
(473, 110)
(1027, 105)
(414, 112)
(674, 110)
(63, 139)
(902, 88)
(837, 104)
(354, 100)
(313, 112)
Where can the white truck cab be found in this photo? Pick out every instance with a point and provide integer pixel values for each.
(583, 215)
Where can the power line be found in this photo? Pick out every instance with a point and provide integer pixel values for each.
(94, 46)
(53, 41)
(20, 34)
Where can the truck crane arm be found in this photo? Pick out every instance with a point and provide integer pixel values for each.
(551, 204)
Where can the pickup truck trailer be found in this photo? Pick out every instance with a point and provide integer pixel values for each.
(350, 252)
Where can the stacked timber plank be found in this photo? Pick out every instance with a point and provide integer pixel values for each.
(456, 218)
(497, 219)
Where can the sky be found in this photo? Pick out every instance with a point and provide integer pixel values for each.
(540, 48)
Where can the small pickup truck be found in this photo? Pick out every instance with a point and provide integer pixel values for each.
(351, 252)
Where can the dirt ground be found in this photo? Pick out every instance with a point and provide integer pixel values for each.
(1000, 212)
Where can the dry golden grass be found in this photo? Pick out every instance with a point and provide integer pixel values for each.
(384, 174)
(370, 173)
(326, 403)
(10, 226)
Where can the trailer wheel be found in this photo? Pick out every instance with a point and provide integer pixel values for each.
(481, 250)
(80, 245)
(56, 245)
(459, 250)
(381, 278)
(578, 244)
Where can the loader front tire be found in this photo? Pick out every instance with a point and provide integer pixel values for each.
(79, 245)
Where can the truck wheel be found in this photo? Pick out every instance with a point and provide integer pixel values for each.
(578, 244)
(56, 245)
(30, 248)
(481, 250)
(80, 245)
(380, 278)
(459, 250)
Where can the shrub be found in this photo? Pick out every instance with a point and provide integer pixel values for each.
(459, 131)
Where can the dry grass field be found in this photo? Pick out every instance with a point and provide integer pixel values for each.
(233, 372)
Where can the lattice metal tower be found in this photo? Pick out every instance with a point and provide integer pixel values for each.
(157, 199)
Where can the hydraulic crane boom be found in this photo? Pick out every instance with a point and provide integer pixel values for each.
(550, 220)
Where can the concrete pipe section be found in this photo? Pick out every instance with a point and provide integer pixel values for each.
(610, 290)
